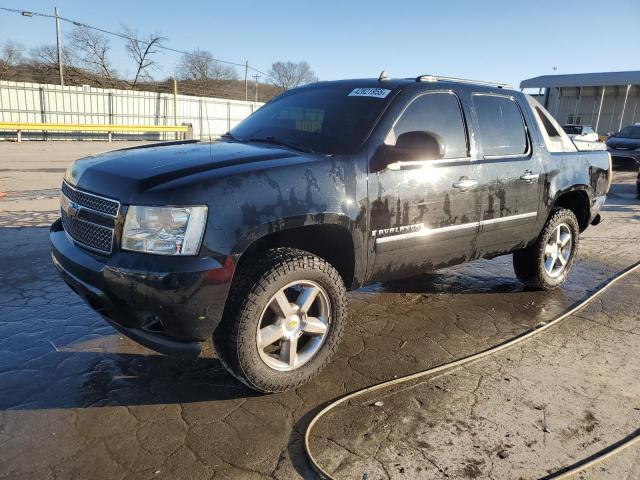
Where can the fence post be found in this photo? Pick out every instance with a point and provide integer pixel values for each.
(228, 116)
(200, 118)
(110, 100)
(175, 105)
(43, 112)
(110, 108)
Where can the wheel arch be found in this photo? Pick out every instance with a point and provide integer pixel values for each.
(329, 236)
(578, 200)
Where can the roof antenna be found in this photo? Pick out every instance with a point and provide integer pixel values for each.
(384, 76)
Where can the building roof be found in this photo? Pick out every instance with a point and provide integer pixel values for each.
(583, 80)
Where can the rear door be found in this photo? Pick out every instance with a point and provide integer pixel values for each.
(425, 215)
(510, 185)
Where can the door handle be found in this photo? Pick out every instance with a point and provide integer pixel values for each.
(529, 176)
(465, 183)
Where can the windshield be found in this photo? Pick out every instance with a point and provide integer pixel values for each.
(573, 129)
(631, 131)
(329, 119)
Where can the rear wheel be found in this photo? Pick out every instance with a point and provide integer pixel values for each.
(546, 264)
(284, 320)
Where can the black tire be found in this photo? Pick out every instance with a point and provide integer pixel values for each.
(528, 263)
(235, 339)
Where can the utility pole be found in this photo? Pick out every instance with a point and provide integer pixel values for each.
(256, 76)
(246, 84)
(59, 44)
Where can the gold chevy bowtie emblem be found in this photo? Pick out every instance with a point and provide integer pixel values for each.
(293, 323)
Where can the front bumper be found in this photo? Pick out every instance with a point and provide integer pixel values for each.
(169, 304)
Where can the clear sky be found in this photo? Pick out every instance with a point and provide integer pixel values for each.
(496, 40)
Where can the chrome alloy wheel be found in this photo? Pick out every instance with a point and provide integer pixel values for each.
(293, 325)
(557, 251)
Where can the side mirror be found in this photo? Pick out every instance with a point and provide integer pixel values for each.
(424, 144)
(410, 147)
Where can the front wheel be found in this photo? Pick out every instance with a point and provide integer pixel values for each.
(546, 264)
(284, 320)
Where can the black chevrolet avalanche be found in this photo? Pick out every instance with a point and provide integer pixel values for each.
(254, 239)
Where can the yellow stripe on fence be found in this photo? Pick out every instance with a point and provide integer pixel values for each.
(79, 127)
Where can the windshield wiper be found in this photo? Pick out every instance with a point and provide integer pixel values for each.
(274, 141)
(231, 136)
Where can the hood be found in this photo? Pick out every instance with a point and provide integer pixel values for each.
(123, 173)
(619, 143)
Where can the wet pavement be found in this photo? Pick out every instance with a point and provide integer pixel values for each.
(77, 400)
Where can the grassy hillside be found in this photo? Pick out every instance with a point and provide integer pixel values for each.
(232, 89)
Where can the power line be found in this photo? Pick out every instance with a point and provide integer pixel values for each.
(26, 13)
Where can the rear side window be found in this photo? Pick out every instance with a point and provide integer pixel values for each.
(501, 126)
(552, 131)
(437, 113)
(554, 136)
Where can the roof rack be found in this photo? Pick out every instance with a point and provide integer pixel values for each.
(436, 78)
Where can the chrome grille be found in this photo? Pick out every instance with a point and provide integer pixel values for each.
(87, 234)
(91, 201)
(88, 219)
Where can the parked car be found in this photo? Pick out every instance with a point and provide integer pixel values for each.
(581, 133)
(624, 146)
(254, 239)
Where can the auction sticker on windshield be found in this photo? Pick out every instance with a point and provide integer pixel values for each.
(369, 92)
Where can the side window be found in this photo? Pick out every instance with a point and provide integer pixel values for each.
(437, 113)
(501, 125)
(552, 131)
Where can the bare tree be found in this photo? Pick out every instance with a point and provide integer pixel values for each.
(200, 65)
(288, 75)
(92, 49)
(46, 56)
(142, 52)
(10, 56)
(44, 59)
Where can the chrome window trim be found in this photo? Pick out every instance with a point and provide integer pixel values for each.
(423, 163)
(84, 192)
(465, 123)
(425, 232)
(518, 155)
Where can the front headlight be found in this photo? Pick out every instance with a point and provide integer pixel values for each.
(164, 230)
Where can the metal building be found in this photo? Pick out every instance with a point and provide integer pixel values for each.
(607, 101)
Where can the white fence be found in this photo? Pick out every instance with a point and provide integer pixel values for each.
(43, 103)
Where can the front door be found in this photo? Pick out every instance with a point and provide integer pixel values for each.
(424, 215)
(510, 184)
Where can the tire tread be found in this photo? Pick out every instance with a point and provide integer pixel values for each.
(251, 283)
(527, 262)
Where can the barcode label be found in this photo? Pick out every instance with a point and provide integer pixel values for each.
(369, 92)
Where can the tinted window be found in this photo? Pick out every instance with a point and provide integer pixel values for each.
(629, 132)
(439, 114)
(501, 128)
(324, 118)
(570, 129)
(551, 130)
